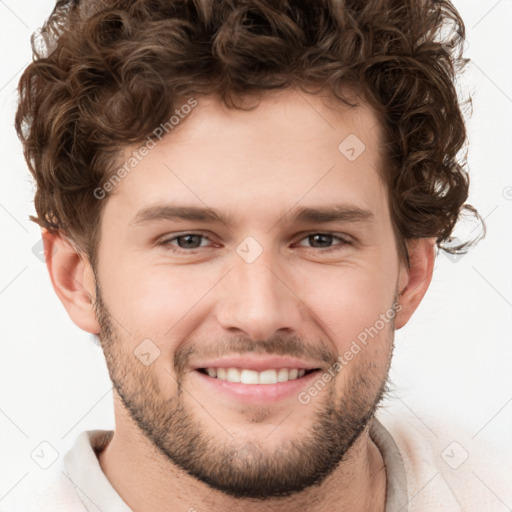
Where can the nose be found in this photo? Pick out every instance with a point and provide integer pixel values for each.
(257, 300)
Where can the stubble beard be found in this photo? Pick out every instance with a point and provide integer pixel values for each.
(237, 468)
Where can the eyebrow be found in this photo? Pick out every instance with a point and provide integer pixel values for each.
(334, 213)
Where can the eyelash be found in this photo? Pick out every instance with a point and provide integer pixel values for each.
(167, 242)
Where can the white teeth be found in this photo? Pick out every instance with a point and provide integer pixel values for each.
(268, 377)
(233, 375)
(282, 375)
(245, 376)
(249, 377)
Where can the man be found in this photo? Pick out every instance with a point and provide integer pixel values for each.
(243, 201)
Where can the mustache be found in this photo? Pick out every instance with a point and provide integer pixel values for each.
(281, 346)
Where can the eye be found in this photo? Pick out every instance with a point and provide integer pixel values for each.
(324, 241)
(185, 241)
(188, 242)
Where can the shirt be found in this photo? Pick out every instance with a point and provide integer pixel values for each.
(421, 475)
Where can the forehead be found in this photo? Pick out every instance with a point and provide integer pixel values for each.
(292, 148)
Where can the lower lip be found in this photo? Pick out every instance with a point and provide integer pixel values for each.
(257, 393)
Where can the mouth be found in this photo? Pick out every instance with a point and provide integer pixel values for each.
(252, 377)
(255, 379)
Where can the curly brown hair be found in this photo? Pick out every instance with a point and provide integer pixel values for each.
(111, 71)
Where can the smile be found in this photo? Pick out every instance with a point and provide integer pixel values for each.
(248, 376)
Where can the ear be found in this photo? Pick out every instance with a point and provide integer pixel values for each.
(414, 282)
(73, 280)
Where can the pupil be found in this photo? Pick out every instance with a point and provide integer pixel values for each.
(320, 238)
(189, 243)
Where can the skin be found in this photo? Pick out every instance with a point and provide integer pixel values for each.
(299, 296)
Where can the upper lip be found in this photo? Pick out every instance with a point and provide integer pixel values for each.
(257, 363)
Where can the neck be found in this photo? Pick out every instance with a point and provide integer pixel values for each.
(145, 479)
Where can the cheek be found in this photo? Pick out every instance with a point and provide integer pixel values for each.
(153, 300)
(350, 302)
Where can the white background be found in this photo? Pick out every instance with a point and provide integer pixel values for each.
(452, 361)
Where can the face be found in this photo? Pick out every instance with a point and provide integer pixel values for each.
(247, 281)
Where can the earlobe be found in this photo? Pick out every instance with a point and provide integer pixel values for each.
(414, 282)
(72, 279)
